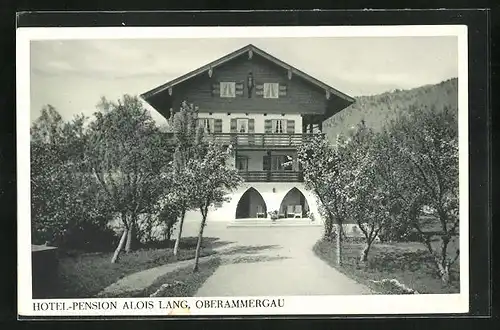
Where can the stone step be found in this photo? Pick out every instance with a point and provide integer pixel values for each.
(269, 223)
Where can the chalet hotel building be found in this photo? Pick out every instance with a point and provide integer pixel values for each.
(266, 108)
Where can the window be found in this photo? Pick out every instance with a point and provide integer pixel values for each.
(242, 163)
(279, 126)
(227, 89)
(207, 124)
(242, 125)
(271, 90)
(266, 163)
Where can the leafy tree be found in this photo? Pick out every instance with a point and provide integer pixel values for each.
(325, 168)
(188, 140)
(424, 145)
(394, 184)
(126, 154)
(169, 214)
(210, 179)
(67, 211)
(367, 200)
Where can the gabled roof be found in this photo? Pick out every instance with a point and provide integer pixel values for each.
(237, 53)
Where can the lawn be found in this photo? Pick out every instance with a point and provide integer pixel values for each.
(182, 282)
(85, 275)
(408, 262)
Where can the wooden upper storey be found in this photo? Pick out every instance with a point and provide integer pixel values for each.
(249, 80)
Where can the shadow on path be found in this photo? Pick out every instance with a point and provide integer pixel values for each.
(248, 249)
(253, 259)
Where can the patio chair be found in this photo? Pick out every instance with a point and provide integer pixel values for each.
(260, 212)
(290, 211)
(298, 211)
(281, 213)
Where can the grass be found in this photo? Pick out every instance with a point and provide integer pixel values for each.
(85, 275)
(409, 263)
(182, 282)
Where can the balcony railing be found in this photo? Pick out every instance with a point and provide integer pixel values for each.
(271, 176)
(258, 139)
(261, 139)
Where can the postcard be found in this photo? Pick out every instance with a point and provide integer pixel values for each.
(203, 171)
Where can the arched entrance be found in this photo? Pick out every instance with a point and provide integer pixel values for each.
(294, 205)
(251, 205)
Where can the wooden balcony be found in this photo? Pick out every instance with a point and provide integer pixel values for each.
(260, 140)
(257, 140)
(272, 176)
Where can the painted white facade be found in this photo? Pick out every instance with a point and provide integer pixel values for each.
(272, 193)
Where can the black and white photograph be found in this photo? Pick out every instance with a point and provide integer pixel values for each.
(243, 171)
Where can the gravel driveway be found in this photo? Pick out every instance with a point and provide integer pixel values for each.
(275, 261)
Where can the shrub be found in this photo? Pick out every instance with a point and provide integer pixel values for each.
(397, 232)
(89, 236)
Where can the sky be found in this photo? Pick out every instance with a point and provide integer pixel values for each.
(72, 75)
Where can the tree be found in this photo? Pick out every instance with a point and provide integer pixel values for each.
(424, 143)
(188, 140)
(126, 154)
(66, 209)
(368, 201)
(393, 182)
(210, 180)
(326, 173)
(169, 214)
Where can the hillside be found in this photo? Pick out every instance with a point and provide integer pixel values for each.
(377, 110)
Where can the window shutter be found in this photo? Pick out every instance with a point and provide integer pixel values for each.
(239, 89)
(233, 126)
(268, 126)
(290, 126)
(217, 125)
(266, 163)
(251, 125)
(259, 90)
(216, 89)
(282, 90)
